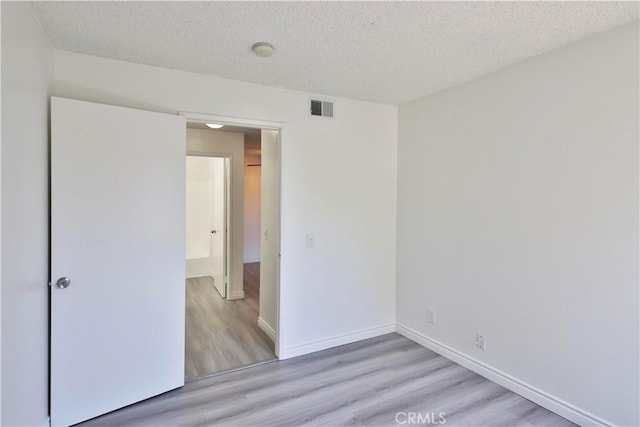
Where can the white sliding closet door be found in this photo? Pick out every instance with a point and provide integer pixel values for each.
(118, 235)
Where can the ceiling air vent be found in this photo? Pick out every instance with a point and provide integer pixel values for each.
(321, 108)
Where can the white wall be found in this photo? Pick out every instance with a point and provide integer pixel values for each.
(252, 200)
(338, 182)
(518, 219)
(229, 144)
(26, 79)
(205, 188)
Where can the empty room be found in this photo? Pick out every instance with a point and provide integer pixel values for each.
(320, 213)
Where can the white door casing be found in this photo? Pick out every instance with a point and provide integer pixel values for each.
(117, 232)
(201, 147)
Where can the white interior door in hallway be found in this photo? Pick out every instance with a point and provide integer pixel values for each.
(207, 194)
(117, 257)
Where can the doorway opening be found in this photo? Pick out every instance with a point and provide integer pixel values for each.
(232, 247)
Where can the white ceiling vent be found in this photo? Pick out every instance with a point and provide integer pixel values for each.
(321, 108)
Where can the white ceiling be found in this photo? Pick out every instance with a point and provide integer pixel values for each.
(389, 52)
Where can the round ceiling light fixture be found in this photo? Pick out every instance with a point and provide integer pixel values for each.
(263, 49)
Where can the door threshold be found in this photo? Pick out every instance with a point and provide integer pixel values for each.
(228, 371)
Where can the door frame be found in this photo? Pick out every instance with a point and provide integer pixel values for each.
(228, 218)
(256, 124)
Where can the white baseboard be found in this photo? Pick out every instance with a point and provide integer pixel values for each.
(197, 267)
(267, 329)
(236, 295)
(546, 400)
(299, 350)
(249, 260)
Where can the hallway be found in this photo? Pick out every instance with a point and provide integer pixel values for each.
(223, 334)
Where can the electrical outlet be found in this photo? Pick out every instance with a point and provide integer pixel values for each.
(481, 343)
(310, 240)
(431, 316)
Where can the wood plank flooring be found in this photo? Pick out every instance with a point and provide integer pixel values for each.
(223, 334)
(364, 383)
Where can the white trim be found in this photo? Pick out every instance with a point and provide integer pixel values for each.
(311, 347)
(267, 329)
(250, 260)
(542, 398)
(231, 121)
(196, 274)
(279, 308)
(236, 295)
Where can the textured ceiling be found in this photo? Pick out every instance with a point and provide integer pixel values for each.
(389, 52)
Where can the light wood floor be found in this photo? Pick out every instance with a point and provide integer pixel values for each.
(223, 334)
(365, 383)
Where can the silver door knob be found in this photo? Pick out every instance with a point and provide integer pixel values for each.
(63, 282)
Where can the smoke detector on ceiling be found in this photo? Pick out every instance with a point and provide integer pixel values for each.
(263, 49)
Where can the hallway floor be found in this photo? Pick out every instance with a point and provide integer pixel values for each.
(223, 334)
